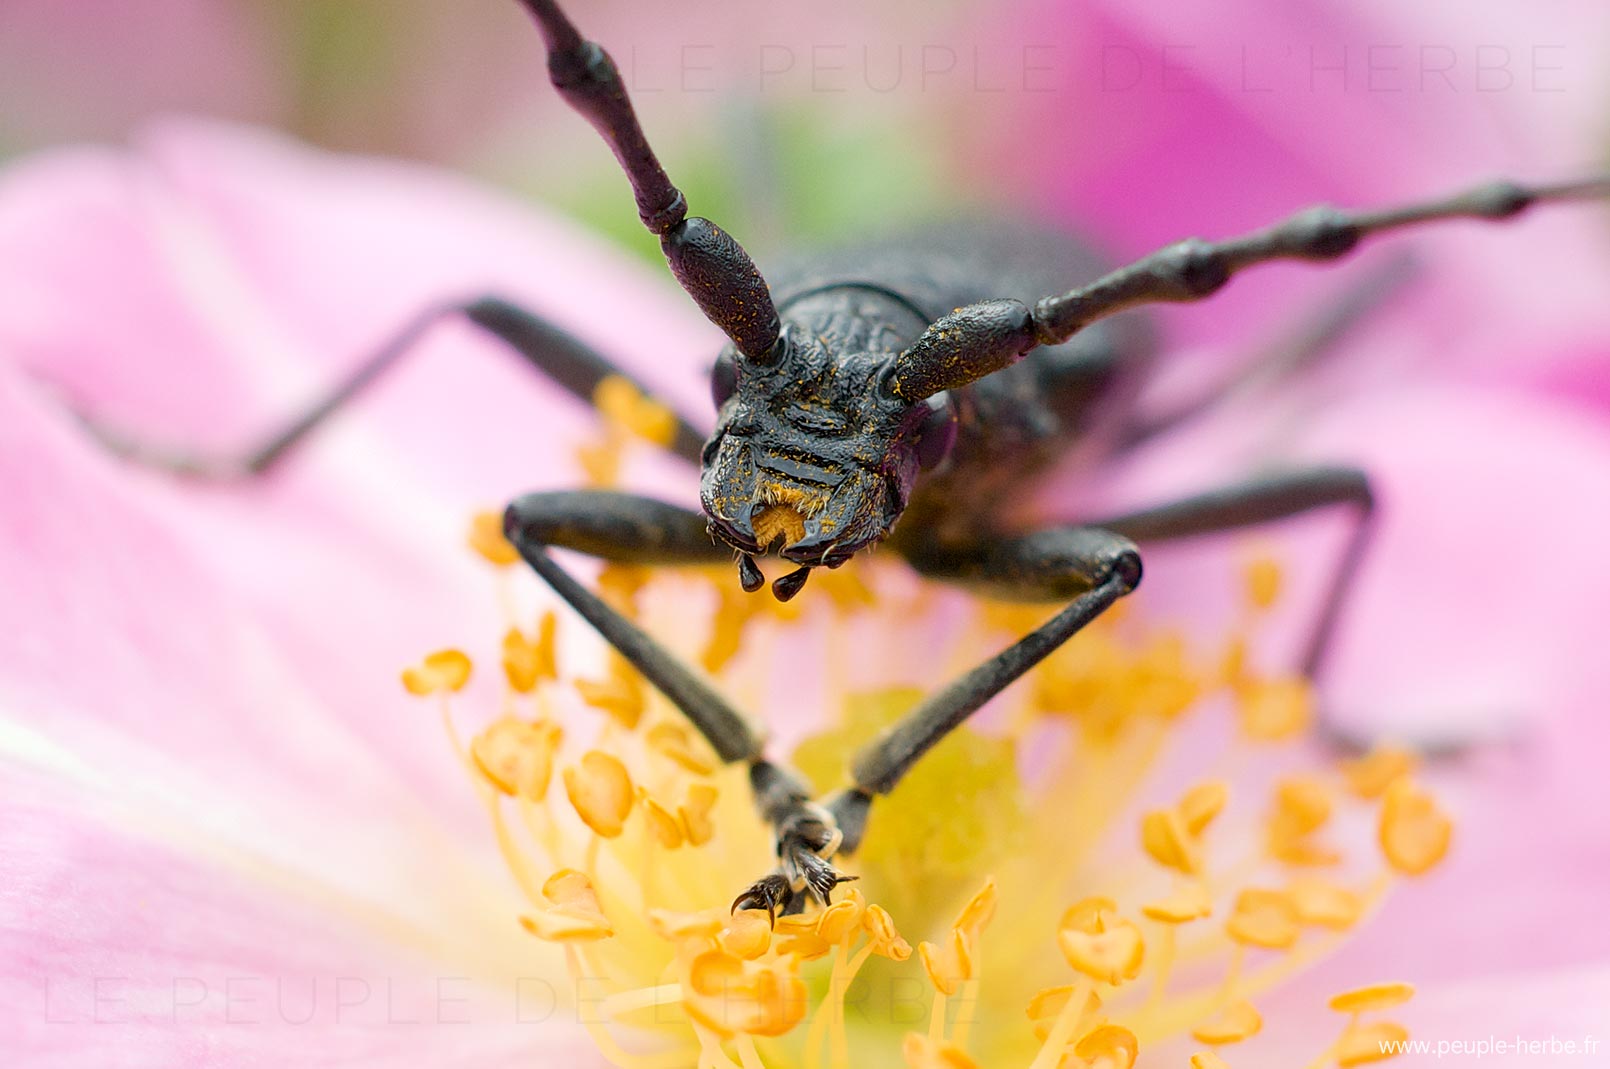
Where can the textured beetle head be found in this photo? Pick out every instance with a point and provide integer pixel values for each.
(812, 458)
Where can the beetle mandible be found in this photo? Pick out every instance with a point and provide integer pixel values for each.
(896, 392)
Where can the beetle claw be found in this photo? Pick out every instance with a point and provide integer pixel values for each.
(769, 893)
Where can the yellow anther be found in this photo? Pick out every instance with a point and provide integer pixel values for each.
(1237, 1021)
(1263, 577)
(620, 696)
(1090, 915)
(1275, 710)
(676, 742)
(1108, 1047)
(443, 670)
(694, 813)
(1208, 1060)
(1302, 853)
(840, 921)
(662, 823)
(486, 538)
(747, 934)
(924, 1052)
(947, 963)
(733, 996)
(574, 914)
(1302, 805)
(1186, 904)
(1049, 1003)
(1374, 1042)
(1264, 919)
(846, 589)
(619, 584)
(571, 889)
(1414, 833)
(1112, 956)
(979, 910)
(676, 927)
(1164, 835)
(1382, 996)
(801, 946)
(1369, 776)
(1233, 670)
(620, 402)
(1325, 904)
(600, 462)
(882, 937)
(527, 662)
(516, 756)
(1199, 805)
(601, 790)
(733, 611)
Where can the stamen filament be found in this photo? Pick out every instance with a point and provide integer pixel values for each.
(1065, 1026)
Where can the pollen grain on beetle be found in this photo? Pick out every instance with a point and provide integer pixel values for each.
(1030, 896)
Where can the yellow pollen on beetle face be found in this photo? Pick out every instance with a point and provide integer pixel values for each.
(778, 523)
(1058, 922)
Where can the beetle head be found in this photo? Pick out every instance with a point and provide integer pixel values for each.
(813, 457)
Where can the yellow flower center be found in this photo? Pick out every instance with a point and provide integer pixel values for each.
(1061, 922)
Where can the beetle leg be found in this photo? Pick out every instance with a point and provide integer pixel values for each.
(639, 530)
(1267, 499)
(1094, 566)
(546, 347)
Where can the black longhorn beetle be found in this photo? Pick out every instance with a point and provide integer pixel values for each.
(896, 382)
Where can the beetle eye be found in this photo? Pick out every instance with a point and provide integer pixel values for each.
(937, 433)
(723, 378)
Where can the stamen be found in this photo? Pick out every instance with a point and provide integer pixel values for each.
(600, 789)
(1369, 776)
(1374, 997)
(1264, 918)
(639, 915)
(1363, 1043)
(486, 538)
(1414, 833)
(527, 661)
(1238, 1021)
(444, 670)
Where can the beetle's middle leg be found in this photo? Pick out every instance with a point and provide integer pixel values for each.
(639, 530)
(546, 347)
(1268, 499)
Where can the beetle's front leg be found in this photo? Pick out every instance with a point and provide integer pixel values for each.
(1091, 566)
(639, 530)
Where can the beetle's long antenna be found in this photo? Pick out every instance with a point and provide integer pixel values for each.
(971, 342)
(709, 263)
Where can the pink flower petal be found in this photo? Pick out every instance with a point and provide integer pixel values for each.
(119, 949)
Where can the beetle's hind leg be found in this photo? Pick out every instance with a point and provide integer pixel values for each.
(558, 355)
(638, 530)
